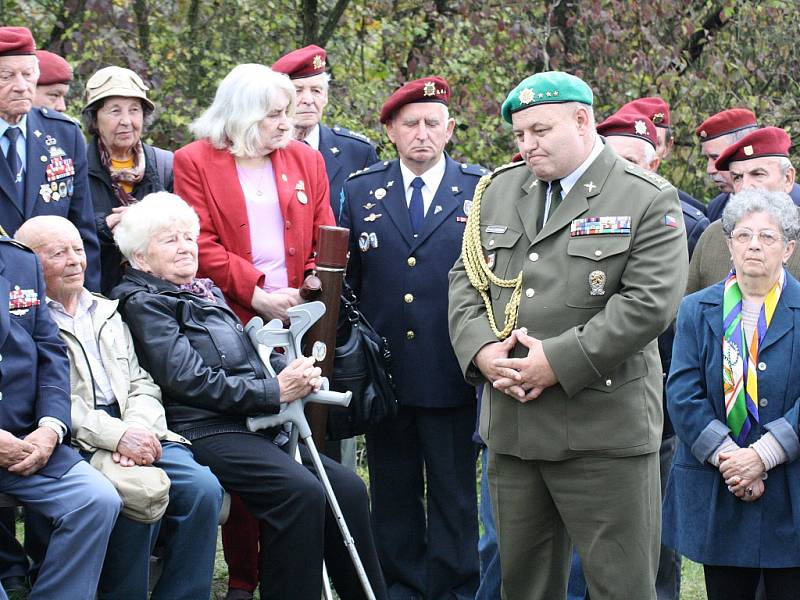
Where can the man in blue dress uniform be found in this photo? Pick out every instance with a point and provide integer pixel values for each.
(37, 467)
(43, 163)
(344, 151)
(406, 220)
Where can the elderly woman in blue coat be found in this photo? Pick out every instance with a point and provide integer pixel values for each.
(733, 497)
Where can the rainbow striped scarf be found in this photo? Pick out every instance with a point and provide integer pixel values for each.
(739, 384)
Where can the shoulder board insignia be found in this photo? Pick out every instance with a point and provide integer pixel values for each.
(652, 178)
(12, 242)
(54, 114)
(507, 166)
(375, 168)
(344, 132)
(476, 170)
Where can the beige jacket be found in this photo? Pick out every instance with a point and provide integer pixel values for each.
(138, 396)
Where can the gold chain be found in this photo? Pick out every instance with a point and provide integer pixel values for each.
(479, 273)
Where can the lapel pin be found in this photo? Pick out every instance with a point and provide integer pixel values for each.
(390, 184)
(369, 206)
(284, 177)
(589, 186)
(37, 133)
(455, 189)
(373, 217)
(301, 197)
(334, 150)
(467, 206)
(437, 210)
(363, 241)
(380, 193)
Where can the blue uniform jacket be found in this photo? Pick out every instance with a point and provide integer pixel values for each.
(56, 183)
(718, 204)
(402, 283)
(701, 518)
(345, 152)
(34, 369)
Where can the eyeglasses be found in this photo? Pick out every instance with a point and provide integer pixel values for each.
(765, 236)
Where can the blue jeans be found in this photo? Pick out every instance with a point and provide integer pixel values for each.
(489, 588)
(82, 506)
(188, 531)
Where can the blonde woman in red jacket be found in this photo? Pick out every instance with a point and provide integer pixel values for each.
(261, 197)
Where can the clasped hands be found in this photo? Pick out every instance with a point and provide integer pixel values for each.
(743, 472)
(523, 379)
(137, 446)
(26, 456)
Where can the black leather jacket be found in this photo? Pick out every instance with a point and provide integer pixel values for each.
(198, 352)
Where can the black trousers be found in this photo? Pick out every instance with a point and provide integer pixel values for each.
(433, 553)
(297, 525)
(739, 583)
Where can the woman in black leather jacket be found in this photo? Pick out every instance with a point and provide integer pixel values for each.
(212, 379)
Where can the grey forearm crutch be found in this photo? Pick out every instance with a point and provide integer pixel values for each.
(273, 335)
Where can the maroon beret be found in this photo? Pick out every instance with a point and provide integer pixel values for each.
(16, 41)
(304, 62)
(52, 68)
(427, 89)
(654, 108)
(768, 141)
(726, 122)
(629, 124)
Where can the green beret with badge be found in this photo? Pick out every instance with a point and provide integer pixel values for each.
(549, 87)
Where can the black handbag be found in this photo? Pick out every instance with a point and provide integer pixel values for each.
(362, 365)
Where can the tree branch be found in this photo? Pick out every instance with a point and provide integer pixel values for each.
(694, 46)
(333, 20)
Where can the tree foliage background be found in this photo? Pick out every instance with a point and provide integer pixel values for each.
(701, 56)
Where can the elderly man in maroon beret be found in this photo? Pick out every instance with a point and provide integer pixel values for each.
(759, 160)
(406, 219)
(344, 151)
(43, 165)
(55, 75)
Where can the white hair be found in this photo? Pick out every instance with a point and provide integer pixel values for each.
(649, 153)
(778, 206)
(246, 95)
(153, 214)
(784, 164)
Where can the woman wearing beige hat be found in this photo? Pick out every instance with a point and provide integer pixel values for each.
(122, 168)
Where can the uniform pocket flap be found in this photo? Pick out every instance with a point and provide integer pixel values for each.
(598, 247)
(492, 240)
(634, 367)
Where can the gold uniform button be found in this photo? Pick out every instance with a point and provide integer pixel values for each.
(409, 298)
(410, 335)
(529, 292)
(533, 256)
(598, 252)
(608, 383)
(411, 261)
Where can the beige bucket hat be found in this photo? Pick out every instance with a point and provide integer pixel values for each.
(116, 81)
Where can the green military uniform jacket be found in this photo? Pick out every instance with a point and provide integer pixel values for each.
(597, 301)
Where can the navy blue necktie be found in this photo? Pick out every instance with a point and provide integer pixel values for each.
(416, 209)
(14, 163)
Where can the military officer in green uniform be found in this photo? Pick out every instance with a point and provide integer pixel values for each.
(573, 262)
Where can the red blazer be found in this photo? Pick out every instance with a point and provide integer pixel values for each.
(206, 178)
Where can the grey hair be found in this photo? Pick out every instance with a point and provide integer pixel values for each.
(735, 136)
(246, 95)
(778, 206)
(649, 153)
(155, 212)
(785, 164)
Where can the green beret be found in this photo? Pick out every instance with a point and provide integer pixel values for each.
(550, 87)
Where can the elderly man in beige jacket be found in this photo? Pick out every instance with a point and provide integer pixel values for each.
(119, 425)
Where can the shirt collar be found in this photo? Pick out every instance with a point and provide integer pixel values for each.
(86, 304)
(23, 126)
(571, 179)
(312, 139)
(432, 177)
